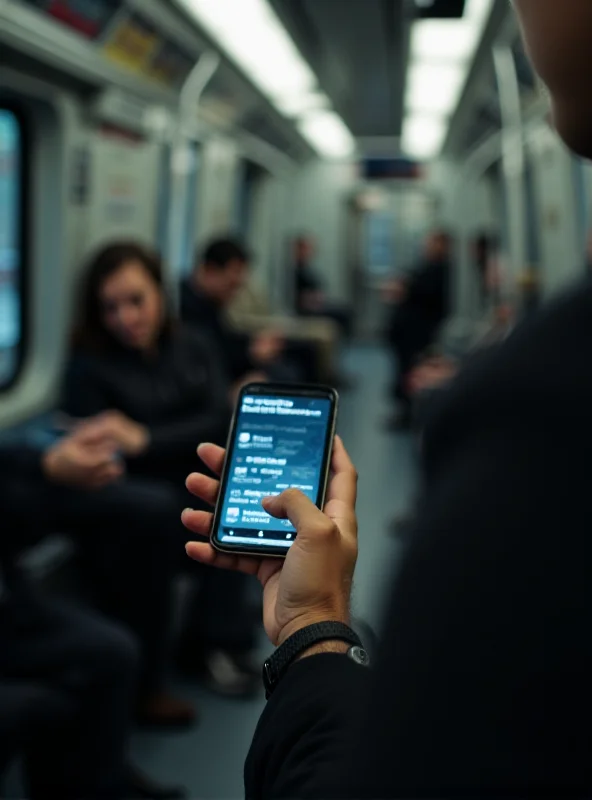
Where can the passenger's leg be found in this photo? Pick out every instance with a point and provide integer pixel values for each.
(90, 666)
(126, 535)
(27, 710)
(220, 633)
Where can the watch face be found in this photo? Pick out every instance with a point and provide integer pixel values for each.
(360, 656)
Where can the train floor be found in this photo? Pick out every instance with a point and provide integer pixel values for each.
(209, 759)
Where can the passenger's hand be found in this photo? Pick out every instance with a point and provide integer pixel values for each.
(82, 460)
(266, 347)
(313, 583)
(128, 436)
(394, 291)
(312, 300)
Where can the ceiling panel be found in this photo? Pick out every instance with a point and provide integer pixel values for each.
(358, 49)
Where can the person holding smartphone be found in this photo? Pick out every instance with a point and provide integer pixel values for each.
(482, 684)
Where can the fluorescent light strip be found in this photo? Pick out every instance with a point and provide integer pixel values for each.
(442, 52)
(252, 35)
(433, 88)
(328, 134)
(423, 135)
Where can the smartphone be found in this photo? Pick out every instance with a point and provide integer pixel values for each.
(281, 437)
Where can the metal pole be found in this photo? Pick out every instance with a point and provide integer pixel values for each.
(182, 161)
(512, 158)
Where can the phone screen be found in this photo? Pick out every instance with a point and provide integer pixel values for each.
(280, 441)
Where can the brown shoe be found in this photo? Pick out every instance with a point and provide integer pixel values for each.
(163, 710)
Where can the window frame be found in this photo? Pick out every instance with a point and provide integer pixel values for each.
(24, 225)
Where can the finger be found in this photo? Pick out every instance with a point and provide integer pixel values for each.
(212, 456)
(295, 506)
(206, 554)
(198, 522)
(203, 487)
(343, 485)
(109, 473)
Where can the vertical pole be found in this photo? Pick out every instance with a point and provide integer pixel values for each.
(512, 158)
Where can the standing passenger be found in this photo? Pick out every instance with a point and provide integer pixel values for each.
(422, 304)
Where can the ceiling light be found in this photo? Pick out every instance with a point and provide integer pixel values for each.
(423, 136)
(299, 104)
(434, 88)
(443, 40)
(328, 134)
(252, 35)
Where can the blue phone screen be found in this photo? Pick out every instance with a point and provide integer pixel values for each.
(279, 444)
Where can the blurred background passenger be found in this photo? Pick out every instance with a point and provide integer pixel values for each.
(67, 676)
(310, 297)
(484, 249)
(251, 313)
(219, 274)
(151, 388)
(420, 304)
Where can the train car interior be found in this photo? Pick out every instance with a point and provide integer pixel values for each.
(196, 194)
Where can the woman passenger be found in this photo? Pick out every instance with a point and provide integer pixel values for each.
(156, 389)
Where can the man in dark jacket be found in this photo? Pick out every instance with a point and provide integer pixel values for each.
(482, 687)
(218, 276)
(421, 305)
(67, 676)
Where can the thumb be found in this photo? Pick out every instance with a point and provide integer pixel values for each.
(308, 520)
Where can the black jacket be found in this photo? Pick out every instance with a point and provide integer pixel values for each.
(202, 313)
(482, 687)
(181, 395)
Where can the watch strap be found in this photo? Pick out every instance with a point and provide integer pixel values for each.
(275, 666)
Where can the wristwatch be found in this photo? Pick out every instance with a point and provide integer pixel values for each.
(277, 664)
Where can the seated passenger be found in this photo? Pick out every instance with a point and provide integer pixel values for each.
(218, 276)
(310, 297)
(67, 677)
(250, 313)
(153, 388)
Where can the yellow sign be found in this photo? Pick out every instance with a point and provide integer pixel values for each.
(133, 45)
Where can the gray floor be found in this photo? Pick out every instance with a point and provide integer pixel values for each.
(209, 759)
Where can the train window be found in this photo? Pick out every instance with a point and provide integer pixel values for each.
(12, 256)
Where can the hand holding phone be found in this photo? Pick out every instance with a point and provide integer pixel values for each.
(313, 583)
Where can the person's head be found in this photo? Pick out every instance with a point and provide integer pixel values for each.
(222, 269)
(438, 245)
(304, 248)
(558, 35)
(123, 299)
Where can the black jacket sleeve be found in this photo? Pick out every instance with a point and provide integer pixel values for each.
(483, 674)
(84, 393)
(297, 760)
